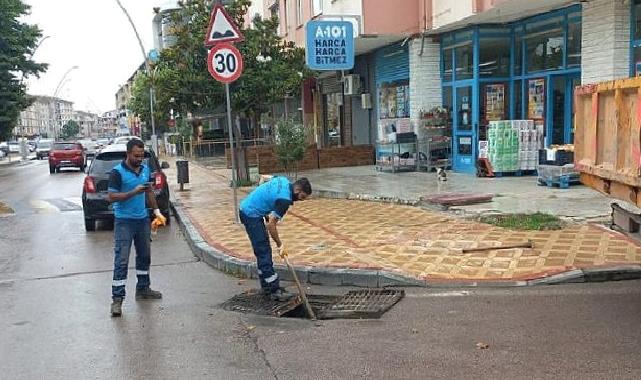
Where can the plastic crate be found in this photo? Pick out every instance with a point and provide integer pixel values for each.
(554, 171)
(561, 157)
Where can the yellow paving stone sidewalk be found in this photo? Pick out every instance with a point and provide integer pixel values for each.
(402, 239)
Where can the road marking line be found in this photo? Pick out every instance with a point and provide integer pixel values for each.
(44, 206)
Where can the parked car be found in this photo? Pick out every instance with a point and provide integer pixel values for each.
(94, 191)
(65, 155)
(4, 147)
(91, 147)
(103, 142)
(125, 139)
(14, 147)
(43, 148)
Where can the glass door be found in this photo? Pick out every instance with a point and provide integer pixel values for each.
(560, 126)
(464, 125)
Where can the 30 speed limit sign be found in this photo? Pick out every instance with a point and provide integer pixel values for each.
(225, 63)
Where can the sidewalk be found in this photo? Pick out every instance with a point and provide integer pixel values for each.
(511, 194)
(337, 241)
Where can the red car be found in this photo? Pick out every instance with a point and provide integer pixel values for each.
(67, 155)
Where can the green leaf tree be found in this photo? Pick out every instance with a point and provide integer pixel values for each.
(290, 144)
(18, 43)
(70, 130)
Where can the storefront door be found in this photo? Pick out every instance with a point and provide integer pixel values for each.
(560, 121)
(465, 129)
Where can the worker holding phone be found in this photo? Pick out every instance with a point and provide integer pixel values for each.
(130, 191)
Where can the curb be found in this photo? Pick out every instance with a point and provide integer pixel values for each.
(379, 279)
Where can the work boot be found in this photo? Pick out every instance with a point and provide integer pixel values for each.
(281, 295)
(116, 307)
(147, 294)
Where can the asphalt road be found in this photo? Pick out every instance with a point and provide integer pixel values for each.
(55, 324)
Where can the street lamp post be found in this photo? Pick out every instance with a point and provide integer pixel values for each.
(55, 94)
(154, 139)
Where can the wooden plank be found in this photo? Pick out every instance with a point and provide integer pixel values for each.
(613, 189)
(622, 128)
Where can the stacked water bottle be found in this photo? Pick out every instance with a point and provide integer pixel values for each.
(513, 145)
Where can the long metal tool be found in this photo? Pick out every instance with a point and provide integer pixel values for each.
(528, 244)
(310, 311)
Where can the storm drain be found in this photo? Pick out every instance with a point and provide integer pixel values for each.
(356, 304)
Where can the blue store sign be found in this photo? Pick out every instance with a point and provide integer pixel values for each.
(330, 45)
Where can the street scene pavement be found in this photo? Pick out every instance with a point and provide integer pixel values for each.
(55, 288)
(410, 241)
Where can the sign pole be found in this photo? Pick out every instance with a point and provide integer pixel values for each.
(233, 154)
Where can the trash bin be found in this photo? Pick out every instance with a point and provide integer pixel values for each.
(182, 166)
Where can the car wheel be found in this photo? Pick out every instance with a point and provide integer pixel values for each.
(52, 170)
(57, 170)
(90, 224)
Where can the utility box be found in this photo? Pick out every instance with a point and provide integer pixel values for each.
(182, 167)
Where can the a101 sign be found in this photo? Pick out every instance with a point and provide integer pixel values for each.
(330, 45)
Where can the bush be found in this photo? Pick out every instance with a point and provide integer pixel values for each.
(290, 145)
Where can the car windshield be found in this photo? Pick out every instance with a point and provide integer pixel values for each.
(64, 146)
(44, 145)
(106, 161)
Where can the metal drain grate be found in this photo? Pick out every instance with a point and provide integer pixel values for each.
(370, 303)
(257, 303)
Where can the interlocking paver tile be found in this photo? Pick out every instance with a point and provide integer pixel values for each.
(401, 239)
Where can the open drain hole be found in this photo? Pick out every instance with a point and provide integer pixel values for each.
(356, 304)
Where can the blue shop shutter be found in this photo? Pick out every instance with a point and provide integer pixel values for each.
(392, 63)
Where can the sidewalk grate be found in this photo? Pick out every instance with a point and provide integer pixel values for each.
(370, 303)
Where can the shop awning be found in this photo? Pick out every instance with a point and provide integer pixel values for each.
(506, 12)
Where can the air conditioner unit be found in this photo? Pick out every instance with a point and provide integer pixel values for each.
(366, 101)
(352, 84)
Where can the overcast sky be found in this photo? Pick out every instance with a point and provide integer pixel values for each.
(96, 36)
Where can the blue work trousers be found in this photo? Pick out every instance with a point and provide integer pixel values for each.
(259, 238)
(127, 231)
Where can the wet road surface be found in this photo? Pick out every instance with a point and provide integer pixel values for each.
(54, 322)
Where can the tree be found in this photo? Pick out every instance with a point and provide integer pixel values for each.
(70, 130)
(181, 72)
(18, 43)
(290, 144)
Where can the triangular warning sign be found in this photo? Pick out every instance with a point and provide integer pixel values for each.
(221, 28)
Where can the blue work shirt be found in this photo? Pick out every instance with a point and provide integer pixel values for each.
(273, 197)
(123, 179)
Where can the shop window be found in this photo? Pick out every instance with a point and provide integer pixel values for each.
(464, 108)
(448, 64)
(636, 16)
(574, 44)
(447, 99)
(518, 100)
(518, 56)
(464, 62)
(494, 105)
(637, 61)
(494, 57)
(544, 50)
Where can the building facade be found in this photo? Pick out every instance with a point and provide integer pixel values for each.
(44, 118)
(481, 60)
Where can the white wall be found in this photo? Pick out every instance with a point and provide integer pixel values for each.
(449, 11)
(605, 40)
(425, 79)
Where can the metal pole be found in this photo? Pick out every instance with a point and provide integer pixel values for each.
(233, 153)
(154, 139)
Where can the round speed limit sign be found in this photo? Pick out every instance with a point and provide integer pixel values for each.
(225, 63)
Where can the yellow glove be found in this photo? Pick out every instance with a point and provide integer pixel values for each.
(160, 219)
(281, 251)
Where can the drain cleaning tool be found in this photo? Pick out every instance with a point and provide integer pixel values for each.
(528, 244)
(303, 297)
